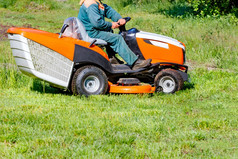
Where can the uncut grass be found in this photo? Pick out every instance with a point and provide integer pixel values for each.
(211, 41)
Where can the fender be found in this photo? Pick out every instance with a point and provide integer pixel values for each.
(84, 55)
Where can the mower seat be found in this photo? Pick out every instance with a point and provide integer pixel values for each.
(77, 30)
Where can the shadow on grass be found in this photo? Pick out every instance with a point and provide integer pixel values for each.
(177, 10)
(183, 10)
(188, 85)
(44, 87)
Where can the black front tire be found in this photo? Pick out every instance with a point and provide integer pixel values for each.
(168, 81)
(89, 80)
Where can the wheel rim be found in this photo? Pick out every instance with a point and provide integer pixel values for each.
(91, 84)
(168, 84)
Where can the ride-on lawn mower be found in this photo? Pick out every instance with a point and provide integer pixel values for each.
(73, 61)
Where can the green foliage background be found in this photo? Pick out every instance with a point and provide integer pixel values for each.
(194, 7)
(214, 7)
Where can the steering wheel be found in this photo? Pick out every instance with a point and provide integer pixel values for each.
(123, 27)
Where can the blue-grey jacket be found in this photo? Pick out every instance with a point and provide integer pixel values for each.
(93, 18)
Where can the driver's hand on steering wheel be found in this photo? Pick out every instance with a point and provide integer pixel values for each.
(121, 22)
(115, 25)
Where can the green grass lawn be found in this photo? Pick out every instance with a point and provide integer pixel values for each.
(37, 121)
(197, 122)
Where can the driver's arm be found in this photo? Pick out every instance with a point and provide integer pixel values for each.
(111, 13)
(95, 18)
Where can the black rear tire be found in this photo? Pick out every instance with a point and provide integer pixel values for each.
(89, 80)
(168, 81)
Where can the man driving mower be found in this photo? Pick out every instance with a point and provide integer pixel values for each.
(92, 14)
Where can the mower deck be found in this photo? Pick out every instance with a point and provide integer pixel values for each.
(141, 88)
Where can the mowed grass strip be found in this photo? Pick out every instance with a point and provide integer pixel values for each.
(196, 122)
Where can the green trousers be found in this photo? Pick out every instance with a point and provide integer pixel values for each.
(118, 44)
